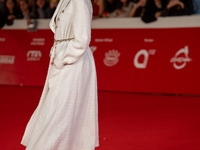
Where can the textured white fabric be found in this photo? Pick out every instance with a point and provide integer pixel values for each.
(73, 20)
(66, 117)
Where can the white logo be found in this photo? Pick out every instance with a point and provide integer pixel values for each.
(93, 48)
(111, 58)
(148, 40)
(145, 54)
(2, 39)
(38, 41)
(6, 59)
(179, 62)
(104, 40)
(34, 55)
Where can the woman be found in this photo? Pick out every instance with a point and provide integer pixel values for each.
(10, 12)
(138, 9)
(157, 8)
(66, 117)
(109, 7)
(52, 7)
(124, 9)
(153, 10)
(178, 8)
(98, 8)
(25, 9)
(41, 9)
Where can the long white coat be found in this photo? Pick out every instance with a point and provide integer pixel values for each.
(66, 117)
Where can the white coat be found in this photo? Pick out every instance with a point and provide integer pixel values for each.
(66, 117)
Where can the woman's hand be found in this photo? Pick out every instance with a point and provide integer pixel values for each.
(158, 3)
(141, 3)
(158, 14)
(10, 17)
(173, 3)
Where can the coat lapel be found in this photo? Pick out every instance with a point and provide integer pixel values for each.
(61, 5)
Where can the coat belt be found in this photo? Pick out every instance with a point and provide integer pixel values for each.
(59, 41)
(56, 42)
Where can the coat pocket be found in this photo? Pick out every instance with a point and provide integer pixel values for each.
(53, 75)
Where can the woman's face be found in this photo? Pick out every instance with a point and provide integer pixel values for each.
(23, 5)
(10, 4)
(40, 3)
(53, 4)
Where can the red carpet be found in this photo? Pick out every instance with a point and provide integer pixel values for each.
(127, 121)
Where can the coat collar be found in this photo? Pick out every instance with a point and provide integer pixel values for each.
(61, 6)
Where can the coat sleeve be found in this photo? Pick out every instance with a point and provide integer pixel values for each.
(81, 26)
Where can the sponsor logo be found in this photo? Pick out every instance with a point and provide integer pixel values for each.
(34, 55)
(181, 58)
(2, 39)
(93, 48)
(6, 59)
(38, 41)
(111, 58)
(145, 54)
(149, 40)
(104, 40)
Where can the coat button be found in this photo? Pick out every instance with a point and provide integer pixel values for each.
(58, 19)
(62, 11)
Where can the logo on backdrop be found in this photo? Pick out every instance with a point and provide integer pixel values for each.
(104, 40)
(38, 41)
(145, 54)
(2, 39)
(6, 59)
(181, 58)
(111, 58)
(93, 48)
(34, 55)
